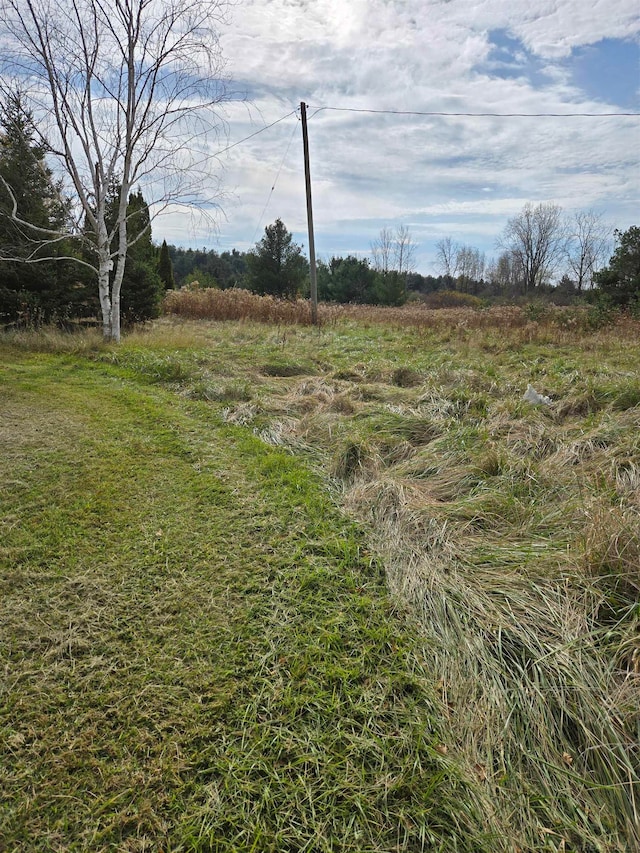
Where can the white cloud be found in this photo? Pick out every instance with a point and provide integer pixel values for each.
(465, 174)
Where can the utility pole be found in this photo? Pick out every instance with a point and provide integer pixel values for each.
(312, 245)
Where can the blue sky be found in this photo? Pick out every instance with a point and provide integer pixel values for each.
(462, 177)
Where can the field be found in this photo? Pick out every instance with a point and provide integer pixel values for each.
(267, 587)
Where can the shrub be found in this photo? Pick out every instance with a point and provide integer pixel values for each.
(452, 299)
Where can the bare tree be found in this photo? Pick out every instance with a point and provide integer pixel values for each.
(505, 273)
(469, 265)
(536, 239)
(461, 262)
(130, 87)
(447, 257)
(588, 246)
(394, 251)
(404, 251)
(382, 251)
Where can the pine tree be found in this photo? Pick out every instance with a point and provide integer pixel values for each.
(142, 287)
(276, 266)
(32, 291)
(391, 288)
(165, 267)
(620, 281)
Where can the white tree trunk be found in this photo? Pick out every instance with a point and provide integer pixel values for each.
(121, 261)
(104, 268)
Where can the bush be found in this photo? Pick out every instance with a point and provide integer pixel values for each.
(452, 299)
(602, 312)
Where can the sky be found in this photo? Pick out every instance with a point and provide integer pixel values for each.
(441, 176)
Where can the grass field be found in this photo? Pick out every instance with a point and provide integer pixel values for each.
(278, 588)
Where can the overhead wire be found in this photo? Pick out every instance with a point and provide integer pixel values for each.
(275, 181)
(469, 114)
(251, 135)
(432, 113)
(427, 113)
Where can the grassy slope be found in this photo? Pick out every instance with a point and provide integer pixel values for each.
(196, 653)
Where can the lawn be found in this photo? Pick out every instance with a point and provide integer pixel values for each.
(279, 588)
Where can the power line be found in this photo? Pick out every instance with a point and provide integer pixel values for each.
(251, 135)
(275, 181)
(472, 115)
(423, 113)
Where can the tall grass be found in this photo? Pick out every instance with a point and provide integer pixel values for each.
(512, 532)
(519, 657)
(239, 304)
(53, 340)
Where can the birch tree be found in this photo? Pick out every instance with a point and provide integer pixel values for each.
(382, 251)
(447, 251)
(470, 264)
(127, 92)
(405, 251)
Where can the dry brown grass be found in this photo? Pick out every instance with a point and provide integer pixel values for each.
(238, 304)
(513, 533)
(521, 324)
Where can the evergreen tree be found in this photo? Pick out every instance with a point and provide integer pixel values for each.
(391, 288)
(142, 287)
(29, 290)
(165, 267)
(620, 281)
(227, 269)
(235, 267)
(276, 266)
(347, 279)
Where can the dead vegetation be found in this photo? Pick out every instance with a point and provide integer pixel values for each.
(535, 323)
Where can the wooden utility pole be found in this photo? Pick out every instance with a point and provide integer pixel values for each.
(312, 245)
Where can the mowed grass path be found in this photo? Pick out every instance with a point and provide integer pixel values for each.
(196, 653)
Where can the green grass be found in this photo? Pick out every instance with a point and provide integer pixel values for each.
(198, 650)
(509, 538)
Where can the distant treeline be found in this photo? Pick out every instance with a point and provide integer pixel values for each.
(229, 269)
(209, 268)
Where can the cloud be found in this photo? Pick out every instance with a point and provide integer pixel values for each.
(468, 175)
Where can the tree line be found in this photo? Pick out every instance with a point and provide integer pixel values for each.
(53, 280)
(277, 266)
(111, 93)
(535, 245)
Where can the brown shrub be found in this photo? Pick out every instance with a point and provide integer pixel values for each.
(452, 299)
(239, 304)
